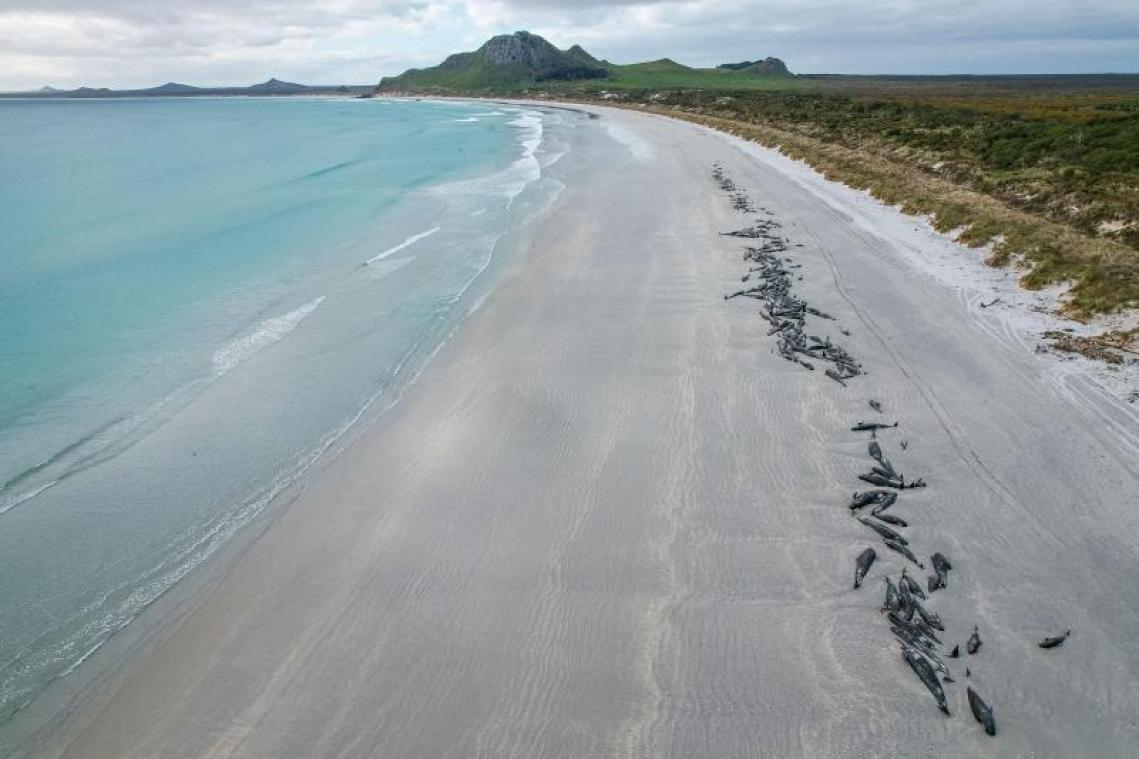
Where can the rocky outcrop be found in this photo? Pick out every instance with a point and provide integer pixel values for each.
(766, 67)
(507, 59)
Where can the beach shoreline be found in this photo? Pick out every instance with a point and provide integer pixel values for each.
(603, 521)
(58, 708)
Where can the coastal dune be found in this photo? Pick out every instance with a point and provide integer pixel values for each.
(609, 521)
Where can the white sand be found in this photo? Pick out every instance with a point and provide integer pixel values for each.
(608, 521)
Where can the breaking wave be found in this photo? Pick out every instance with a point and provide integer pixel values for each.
(405, 244)
(267, 333)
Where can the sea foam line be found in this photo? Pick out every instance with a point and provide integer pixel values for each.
(90, 450)
(526, 168)
(116, 436)
(12, 502)
(269, 332)
(405, 244)
(174, 568)
(509, 182)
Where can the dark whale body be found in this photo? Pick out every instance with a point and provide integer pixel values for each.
(941, 567)
(924, 670)
(892, 603)
(862, 565)
(871, 426)
(903, 549)
(1054, 641)
(973, 645)
(982, 711)
(911, 586)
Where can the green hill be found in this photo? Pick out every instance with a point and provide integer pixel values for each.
(523, 61)
(503, 62)
(667, 74)
(661, 66)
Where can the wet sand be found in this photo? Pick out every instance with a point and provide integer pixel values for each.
(610, 521)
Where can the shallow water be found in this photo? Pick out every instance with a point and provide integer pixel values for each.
(199, 297)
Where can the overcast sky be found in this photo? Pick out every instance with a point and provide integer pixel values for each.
(127, 43)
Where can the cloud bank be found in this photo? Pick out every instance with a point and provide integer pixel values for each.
(124, 43)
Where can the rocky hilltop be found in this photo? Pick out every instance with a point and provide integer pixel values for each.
(525, 63)
(765, 67)
(507, 59)
(533, 55)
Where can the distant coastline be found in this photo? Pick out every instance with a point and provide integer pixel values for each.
(269, 88)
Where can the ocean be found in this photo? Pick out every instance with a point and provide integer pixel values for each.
(199, 298)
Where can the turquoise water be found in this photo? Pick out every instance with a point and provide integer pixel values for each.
(198, 298)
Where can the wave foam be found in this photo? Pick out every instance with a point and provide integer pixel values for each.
(405, 244)
(509, 182)
(11, 502)
(267, 333)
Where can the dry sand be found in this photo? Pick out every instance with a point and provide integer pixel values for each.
(608, 521)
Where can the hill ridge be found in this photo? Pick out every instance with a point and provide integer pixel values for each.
(503, 60)
(524, 61)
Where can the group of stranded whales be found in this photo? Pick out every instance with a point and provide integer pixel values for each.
(773, 284)
(913, 624)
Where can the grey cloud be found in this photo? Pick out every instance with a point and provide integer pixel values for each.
(169, 12)
(202, 23)
(337, 40)
(134, 30)
(877, 35)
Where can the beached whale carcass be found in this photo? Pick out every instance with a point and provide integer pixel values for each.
(924, 670)
(982, 711)
(1056, 640)
(941, 567)
(862, 566)
(973, 645)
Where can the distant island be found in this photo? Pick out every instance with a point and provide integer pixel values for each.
(521, 61)
(271, 87)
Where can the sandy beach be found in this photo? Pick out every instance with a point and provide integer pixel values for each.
(609, 520)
